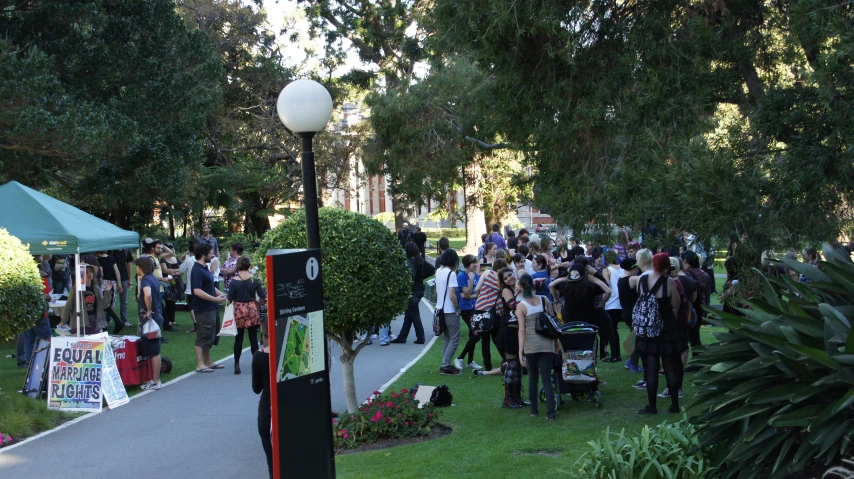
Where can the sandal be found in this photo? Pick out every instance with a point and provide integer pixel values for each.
(204, 370)
(216, 366)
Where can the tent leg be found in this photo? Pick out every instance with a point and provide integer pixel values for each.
(78, 296)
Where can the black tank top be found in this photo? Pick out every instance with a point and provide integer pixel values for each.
(628, 298)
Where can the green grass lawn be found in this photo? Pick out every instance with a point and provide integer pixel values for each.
(21, 416)
(489, 441)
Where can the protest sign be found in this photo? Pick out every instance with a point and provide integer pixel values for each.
(76, 367)
(111, 381)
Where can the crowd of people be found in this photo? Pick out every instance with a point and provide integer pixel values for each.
(515, 278)
(164, 278)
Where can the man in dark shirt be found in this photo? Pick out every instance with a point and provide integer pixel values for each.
(60, 265)
(496, 237)
(512, 242)
(206, 238)
(205, 302)
(404, 235)
(124, 260)
(420, 239)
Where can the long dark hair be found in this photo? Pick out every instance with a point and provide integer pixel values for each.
(412, 251)
(527, 285)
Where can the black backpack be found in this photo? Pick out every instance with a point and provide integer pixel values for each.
(441, 396)
(646, 316)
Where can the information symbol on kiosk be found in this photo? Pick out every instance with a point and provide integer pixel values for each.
(312, 268)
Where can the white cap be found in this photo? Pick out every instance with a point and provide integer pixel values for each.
(405, 223)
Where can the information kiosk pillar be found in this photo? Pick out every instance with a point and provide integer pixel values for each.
(299, 382)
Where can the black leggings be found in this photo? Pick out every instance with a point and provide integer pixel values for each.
(238, 342)
(673, 373)
(483, 338)
(169, 312)
(513, 373)
(266, 440)
(615, 316)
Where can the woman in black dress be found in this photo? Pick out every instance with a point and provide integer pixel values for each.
(261, 385)
(667, 347)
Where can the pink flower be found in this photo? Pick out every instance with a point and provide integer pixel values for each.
(429, 415)
(404, 391)
(373, 419)
(389, 404)
(377, 393)
(394, 395)
(407, 423)
(346, 436)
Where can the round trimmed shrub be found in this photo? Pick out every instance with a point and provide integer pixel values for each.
(366, 278)
(21, 298)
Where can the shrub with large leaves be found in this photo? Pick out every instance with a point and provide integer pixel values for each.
(21, 299)
(366, 278)
(779, 392)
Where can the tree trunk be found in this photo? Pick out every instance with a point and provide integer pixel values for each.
(348, 356)
(171, 222)
(475, 221)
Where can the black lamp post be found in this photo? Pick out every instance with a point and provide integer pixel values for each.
(305, 108)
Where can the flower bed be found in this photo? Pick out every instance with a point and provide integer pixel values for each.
(388, 415)
(5, 439)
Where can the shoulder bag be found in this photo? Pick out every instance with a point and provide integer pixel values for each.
(439, 314)
(546, 324)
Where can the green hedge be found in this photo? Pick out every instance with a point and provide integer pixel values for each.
(21, 299)
(449, 232)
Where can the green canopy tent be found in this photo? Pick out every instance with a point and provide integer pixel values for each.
(50, 226)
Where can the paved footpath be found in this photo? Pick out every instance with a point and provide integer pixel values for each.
(202, 425)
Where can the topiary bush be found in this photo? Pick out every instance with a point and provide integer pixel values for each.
(779, 391)
(667, 450)
(366, 278)
(21, 298)
(388, 415)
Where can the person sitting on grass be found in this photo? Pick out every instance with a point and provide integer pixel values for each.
(149, 310)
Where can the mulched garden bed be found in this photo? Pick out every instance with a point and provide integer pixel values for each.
(435, 433)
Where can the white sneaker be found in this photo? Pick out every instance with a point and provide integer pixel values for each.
(458, 363)
(474, 365)
(666, 394)
(63, 327)
(63, 332)
(375, 336)
(392, 337)
(151, 385)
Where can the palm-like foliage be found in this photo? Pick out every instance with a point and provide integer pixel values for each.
(779, 392)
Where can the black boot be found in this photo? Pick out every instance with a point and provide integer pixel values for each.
(517, 396)
(236, 368)
(508, 397)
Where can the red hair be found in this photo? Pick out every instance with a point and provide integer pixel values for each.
(661, 263)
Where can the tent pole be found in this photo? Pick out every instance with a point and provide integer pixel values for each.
(77, 293)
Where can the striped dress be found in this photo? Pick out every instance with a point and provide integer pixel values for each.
(488, 295)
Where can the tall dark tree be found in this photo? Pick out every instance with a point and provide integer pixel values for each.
(713, 116)
(126, 90)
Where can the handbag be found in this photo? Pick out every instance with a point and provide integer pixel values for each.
(439, 314)
(483, 321)
(229, 325)
(151, 330)
(546, 324)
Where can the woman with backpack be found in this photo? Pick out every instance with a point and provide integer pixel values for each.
(537, 352)
(658, 337)
(420, 270)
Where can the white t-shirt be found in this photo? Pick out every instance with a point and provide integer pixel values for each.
(443, 288)
(529, 267)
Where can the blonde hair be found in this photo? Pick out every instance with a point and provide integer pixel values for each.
(674, 264)
(644, 259)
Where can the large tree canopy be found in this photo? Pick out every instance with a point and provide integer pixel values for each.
(107, 100)
(711, 115)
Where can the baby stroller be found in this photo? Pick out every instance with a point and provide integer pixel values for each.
(576, 373)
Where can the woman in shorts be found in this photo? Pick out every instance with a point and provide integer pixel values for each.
(149, 310)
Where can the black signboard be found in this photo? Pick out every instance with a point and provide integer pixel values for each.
(299, 383)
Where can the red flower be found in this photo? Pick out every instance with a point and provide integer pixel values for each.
(407, 423)
(404, 391)
(377, 393)
(389, 404)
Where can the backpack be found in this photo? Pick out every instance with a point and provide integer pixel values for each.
(684, 305)
(646, 317)
(441, 396)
